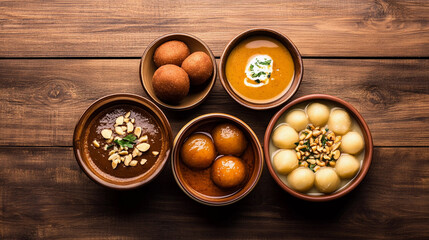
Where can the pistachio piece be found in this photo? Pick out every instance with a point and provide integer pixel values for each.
(133, 163)
(120, 120)
(143, 147)
(138, 131)
(127, 160)
(143, 161)
(130, 127)
(119, 131)
(106, 133)
(96, 144)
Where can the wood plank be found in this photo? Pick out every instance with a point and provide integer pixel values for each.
(45, 195)
(124, 28)
(41, 100)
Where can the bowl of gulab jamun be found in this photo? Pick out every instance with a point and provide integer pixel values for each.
(178, 71)
(216, 159)
(318, 147)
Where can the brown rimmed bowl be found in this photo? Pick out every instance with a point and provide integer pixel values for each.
(86, 164)
(252, 178)
(197, 94)
(366, 136)
(293, 50)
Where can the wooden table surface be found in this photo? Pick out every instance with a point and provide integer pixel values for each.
(57, 57)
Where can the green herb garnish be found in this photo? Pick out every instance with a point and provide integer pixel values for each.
(258, 81)
(266, 62)
(251, 67)
(312, 167)
(324, 139)
(296, 144)
(127, 141)
(327, 129)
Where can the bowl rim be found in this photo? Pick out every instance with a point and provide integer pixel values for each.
(368, 148)
(212, 80)
(260, 157)
(296, 78)
(91, 109)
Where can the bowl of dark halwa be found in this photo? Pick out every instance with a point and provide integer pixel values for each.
(122, 141)
(178, 71)
(261, 68)
(216, 159)
(318, 147)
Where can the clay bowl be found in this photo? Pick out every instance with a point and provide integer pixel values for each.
(196, 94)
(252, 176)
(367, 156)
(87, 119)
(293, 50)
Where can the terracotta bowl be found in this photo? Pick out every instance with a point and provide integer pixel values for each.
(366, 136)
(85, 162)
(296, 56)
(197, 94)
(252, 177)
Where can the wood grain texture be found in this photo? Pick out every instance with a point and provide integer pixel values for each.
(42, 100)
(100, 28)
(44, 195)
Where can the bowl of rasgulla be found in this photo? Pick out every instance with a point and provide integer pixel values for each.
(318, 147)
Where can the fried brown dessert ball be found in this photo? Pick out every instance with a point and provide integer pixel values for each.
(229, 139)
(198, 151)
(228, 172)
(170, 83)
(199, 67)
(171, 52)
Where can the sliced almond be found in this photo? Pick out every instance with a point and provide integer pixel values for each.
(142, 139)
(113, 157)
(119, 130)
(133, 163)
(120, 120)
(127, 115)
(112, 152)
(105, 147)
(143, 161)
(138, 131)
(132, 120)
(96, 144)
(127, 160)
(135, 152)
(155, 153)
(114, 165)
(130, 127)
(124, 128)
(106, 133)
(126, 120)
(143, 147)
(110, 140)
(123, 152)
(117, 161)
(336, 154)
(140, 153)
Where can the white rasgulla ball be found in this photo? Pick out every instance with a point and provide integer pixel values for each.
(327, 180)
(297, 119)
(285, 137)
(285, 161)
(347, 166)
(352, 143)
(339, 122)
(301, 179)
(318, 114)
